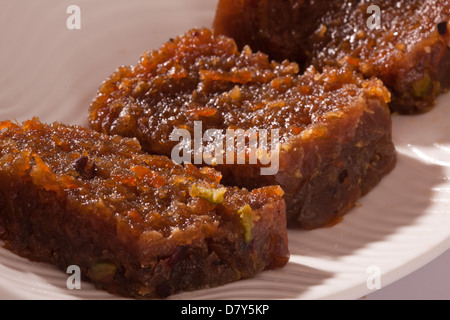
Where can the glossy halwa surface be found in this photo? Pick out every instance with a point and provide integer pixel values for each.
(408, 49)
(334, 126)
(201, 77)
(134, 223)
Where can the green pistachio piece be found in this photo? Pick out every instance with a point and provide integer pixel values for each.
(422, 87)
(102, 270)
(247, 221)
(214, 196)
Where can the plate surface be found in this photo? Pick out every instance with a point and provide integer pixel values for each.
(52, 72)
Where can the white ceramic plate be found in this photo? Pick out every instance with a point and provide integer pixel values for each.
(52, 72)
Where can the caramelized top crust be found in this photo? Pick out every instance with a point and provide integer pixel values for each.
(404, 43)
(326, 32)
(144, 196)
(403, 25)
(199, 76)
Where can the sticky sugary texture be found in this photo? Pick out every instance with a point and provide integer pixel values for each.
(334, 127)
(409, 51)
(131, 221)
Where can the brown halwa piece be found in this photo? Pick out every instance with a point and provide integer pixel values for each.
(409, 52)
(334, 127)
(136, 225)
